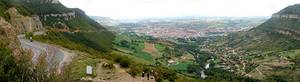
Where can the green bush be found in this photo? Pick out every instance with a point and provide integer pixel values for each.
(193, 68)
(135, 70)
(28, 34)
(165, 74)
(124, 61)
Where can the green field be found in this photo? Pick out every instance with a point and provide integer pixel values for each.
(136, 47)
(136, 59)
(138, 52)
(160, 47)
(182, 66)
(119, 38)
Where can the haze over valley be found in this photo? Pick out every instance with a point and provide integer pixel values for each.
(184, 27)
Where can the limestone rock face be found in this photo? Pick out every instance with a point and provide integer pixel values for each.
(286, 16)
(65, 16)
(54, 1)
(41, 1)
(24, 23)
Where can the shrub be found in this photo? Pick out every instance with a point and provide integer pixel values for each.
(108, 65)
(135, 70)
(193, 68)
(28, 34)
(124, 61)
(165, 74)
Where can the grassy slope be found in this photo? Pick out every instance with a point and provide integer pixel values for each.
(160, 47)
(268, 44)
(182, 66)
(138, 46)
(292, 54)
(266, 37)
(77, 40)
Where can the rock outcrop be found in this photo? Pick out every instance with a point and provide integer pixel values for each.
(64, 16)
(41, 1)
(286, 16)
(8, 34)
(24, 23)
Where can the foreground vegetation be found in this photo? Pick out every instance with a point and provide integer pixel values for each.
(16, 64)
(94, 56)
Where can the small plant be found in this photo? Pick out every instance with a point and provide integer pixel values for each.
(28, 35)
(109, 65)
(135, 70)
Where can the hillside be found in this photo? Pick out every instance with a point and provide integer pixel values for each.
(26, 60)
(277, 34)
(64, 42)
(268, 49)
(53, 12)
(57, 17)
(44, 41)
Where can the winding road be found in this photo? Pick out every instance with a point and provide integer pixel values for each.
(55, 56)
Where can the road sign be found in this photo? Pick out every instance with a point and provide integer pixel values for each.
(89, 70)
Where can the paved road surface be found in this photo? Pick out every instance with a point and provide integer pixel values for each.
(54, 54)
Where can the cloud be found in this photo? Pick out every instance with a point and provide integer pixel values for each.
(129, 9)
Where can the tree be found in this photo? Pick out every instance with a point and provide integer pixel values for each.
(162, 74)
(193, 68)
(124, 43)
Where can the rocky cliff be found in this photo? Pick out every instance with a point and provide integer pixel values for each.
(24, 23)
(286, 16)
(41, 1)
(51, 14)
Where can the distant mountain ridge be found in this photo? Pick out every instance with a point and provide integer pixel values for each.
(272, 47)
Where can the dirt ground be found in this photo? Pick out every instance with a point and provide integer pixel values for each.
(150, 48)
(117, 74)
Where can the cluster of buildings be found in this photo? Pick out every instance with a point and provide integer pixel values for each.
(169, 32)
(182, 32)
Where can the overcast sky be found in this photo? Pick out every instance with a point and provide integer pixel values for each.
(132, 9)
